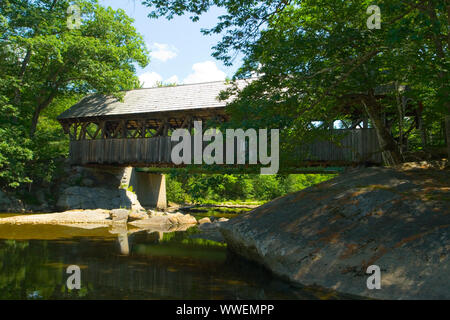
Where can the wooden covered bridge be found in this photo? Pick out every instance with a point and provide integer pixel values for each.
(136, 132)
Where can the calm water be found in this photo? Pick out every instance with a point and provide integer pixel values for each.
(132, 265)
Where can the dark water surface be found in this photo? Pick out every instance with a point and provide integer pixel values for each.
(134, 265)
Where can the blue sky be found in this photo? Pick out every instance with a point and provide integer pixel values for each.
(179, 52)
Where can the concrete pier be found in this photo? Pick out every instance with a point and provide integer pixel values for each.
(150, 189)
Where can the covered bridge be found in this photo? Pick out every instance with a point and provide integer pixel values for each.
(136, 131)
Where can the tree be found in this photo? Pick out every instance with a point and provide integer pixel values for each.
(45, 67)
(318, 60)
(43, 59)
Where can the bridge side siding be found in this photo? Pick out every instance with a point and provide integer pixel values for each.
(355, 146)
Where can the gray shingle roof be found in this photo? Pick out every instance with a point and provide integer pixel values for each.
(164, 99)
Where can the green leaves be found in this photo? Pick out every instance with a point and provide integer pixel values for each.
(218, 188)
(43, 64)
(318, 60)
(15, 152)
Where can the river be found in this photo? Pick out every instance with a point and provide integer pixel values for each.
(139, 265)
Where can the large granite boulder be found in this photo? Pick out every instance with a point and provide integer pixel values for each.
(97, 188)
(173, 219)
(94, 198)
(204, 220)
(329, 234)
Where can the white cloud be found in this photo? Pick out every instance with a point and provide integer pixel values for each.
(172, 79)
(204, 72)
(163, 51)
(149, 79)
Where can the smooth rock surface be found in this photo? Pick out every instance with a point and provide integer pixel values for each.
(97, 217)
(204, 220)
(168, 219)
(119, 215)
(179, 218)
(90, 198)
(97, 188)
(329, 234)
(138, 215)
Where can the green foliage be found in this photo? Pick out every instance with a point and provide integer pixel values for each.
(317, 60)
(215, 188)
(15, 153)
(45, 68)
(175, 191)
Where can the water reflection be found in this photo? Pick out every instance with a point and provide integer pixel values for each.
(123, 263)
(123, 241)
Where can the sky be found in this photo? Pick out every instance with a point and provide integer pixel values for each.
(180, 53)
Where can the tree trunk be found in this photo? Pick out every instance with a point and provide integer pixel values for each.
(38, 109)
(447, 134)
(390, 151)
(34, 121)
(441, 54)
(423, 134)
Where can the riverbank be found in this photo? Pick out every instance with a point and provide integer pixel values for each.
(328, 234)
(91, 188)
(122, 221)
(103, 217)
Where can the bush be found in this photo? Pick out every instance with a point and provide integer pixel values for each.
(175, 192)
(15, 153)
(201, 188)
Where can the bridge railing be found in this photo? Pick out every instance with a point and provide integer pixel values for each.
(348, 146)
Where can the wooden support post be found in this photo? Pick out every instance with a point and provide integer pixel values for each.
(123, 125)
(75, 131)
(102, 126)
(189, 126)
(143, 128)
(117, 130)
(166, 129)
(82, 135)
(66, 127)
(72, 133)
(161, 128)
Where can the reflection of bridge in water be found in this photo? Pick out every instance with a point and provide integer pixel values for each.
(136, 132)
(157, 232)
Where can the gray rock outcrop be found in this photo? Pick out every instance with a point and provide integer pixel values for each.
(329, 234)
(97, 188)
(95, 198)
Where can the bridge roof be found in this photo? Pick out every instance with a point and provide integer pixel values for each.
(152, 100)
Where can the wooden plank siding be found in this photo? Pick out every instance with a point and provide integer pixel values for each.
(355, 146)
